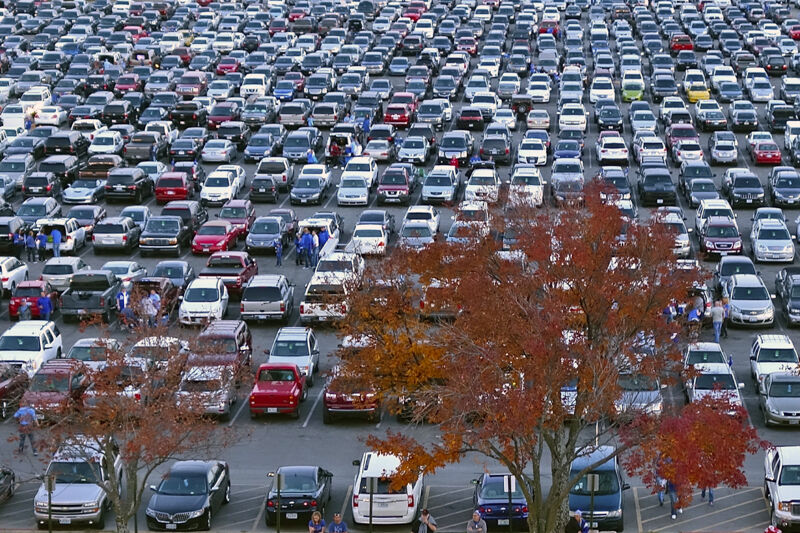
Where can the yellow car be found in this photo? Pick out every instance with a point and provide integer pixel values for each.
(697, 92)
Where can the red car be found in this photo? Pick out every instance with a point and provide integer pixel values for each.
(228, 64)
(409, 99)
(469, 45)
(794, 32)
(236, 269)
(214, 236)
(551, 27)
(137, 32)
(184, 52)
(279, 388)
(681, 132)
(128, 82)
(413, 13)
(277, 26)
(174, 186)
(297, 14)
(339, 400)
(398, 115)
(298, 79)
(204, 3)
(30, 291)
(241, 214)
(223, 112)
(56, 388)
(417, 4)
(680, 42)
(766, 153)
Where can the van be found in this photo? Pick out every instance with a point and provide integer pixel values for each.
(791, 133)
(608, 502)
(30, 344)
(389, 506)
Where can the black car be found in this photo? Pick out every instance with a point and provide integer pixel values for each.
(128, 183)
(746, 190)
(655, 187)
(189, 495)
(66, 142)
(119, 112)
(784, 189)
(308, 190)
(65, 167)
(186, 149)
(609, 118)
(686, 59)
(305, 490)
(662, 86)
(787, 288)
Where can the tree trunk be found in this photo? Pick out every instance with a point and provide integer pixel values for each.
(122, 525)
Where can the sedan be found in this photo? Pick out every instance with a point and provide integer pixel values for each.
(84, 191)
(686, 151)
(125, 270)
(779, 399)
(51, 116)
(214, 236)
(380, 150)
(305, 490)
(218, 151)
(766, 153)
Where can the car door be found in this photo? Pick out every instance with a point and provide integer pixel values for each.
(18, 270)
(754, 349)
(772, 467)
(224, 292)
(48, 346)
(314, 351)
(324, 484)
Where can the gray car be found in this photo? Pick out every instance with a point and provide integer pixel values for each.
(700, 189)
(18, 167)
(771, 241)
(750, 301)
(35, 208)
(267, 296)
(416, 150)
(779, 399)
(263, 234)
(440, 186)
(640, 394)
(116, 233)
(644, 121)
(84, 191)
(58, 271)
(416, 234)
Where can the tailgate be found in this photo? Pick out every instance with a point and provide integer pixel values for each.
(385, 505)
(265, 308)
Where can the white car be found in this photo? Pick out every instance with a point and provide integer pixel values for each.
(490, 65)
(671, 103)
(257, 84)
(108, 142)
(361, 167)
(602, 88)
(368, 239)
(88, 127)
(715, 380)
(532, 151)
(219, 187)
(51, 115)
(424, 213)
(770, 354)
(318, 171)
(13, 272)
(31, 343)
(539, 92)
(483, 186)
(572, 117)
(204, 299)
(220, 90)
(527, 187)
(612, 149)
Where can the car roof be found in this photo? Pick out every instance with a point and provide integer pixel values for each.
(296, 333)
(774, 341)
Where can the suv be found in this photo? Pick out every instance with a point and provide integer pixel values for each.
(59, 270)
(397, 184)
(191, 212)
(8, 227)
(770, 354)
(297, 346)
(750, 301)
(67, 142)
(65, 167)
(41, 184)
(278, 168)
(116, 233)
(719, 235)
(608, 506)
(267, 296)
(164, 233)
(397, 506)
(38, 340)
(781, 466)
(77, 499)
(128, 184)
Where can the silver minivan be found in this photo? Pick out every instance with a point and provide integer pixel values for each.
(441, 185)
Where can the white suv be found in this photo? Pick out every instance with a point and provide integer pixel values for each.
(204, 300)
(13, 272)
(782, 485)
(390, 506)
(31, 344)
(772, 353)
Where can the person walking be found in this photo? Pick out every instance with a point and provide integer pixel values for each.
(155, 299)
(477, 524)
(41, 245)
(674, 504)
(24, 311)
(307, 243)
(123, 298)
(710, 495)
(30, 246)
(56, 235)
(338, 525)
(316, 524)
(424, 524)
(726, 316)
(278, 252)
(26, 423)
(312, 158)
(45, 306)
(717, 317)
(314, 249)
(365, 125)
(577, 524)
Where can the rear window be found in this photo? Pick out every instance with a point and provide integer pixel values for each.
(108, 228)
(120, 179)
(52, 167)
(271, 168)
(261, 294)
(36, 182)
(170, 182)
(184, 213)
(64, 141)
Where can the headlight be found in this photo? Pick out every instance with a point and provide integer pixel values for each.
(772, 409)
(695, 200)
(92, 504)
(788, 248)
(735, 309)
(198, 513)
(762, 248)
(41, 506)
(150, 512)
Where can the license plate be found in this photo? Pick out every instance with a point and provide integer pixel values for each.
(108, 241)
(723, 253)
(262, 190)
(752, 319)
(382, 505)
(36, 189)
(291, 516)
(261, 317)
(170, 193)
(749, 201)
(502, 522)
(171, 526)
(594, 525)
(119, 187)
(659, 200)
(272, 409)
(64, 520)
(304, 200)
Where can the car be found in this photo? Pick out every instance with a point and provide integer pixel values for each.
(766, 152)
(214, 236)
(13, 272)
(491, 500)
(307, 488)
(402, 505)
(779, 399)
(781, 464)
(189, 495)
(218, 150)
(714, 380)
(771, 241)
(750, 301)
(203, 300)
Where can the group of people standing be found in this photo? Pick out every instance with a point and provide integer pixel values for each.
(149, 305)
(35, 244)
(308, 243)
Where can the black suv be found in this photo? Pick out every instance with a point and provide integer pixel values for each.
(165, 233)
(236, 132)
(41, 184)
(191, 212)
(65, 167)
(128, 183)
(66, 142)
(9, 226)
(745, 189)
(497, 148)
(119, 112)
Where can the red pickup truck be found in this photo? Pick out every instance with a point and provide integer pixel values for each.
(279, 388)
(56, 388)
(235, 269)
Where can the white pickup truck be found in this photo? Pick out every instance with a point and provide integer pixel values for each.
(325, 298)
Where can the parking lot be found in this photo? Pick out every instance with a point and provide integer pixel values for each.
(266, 444)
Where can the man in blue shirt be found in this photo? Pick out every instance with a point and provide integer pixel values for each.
(41, 245)
(26, 420)
(338, 526)
(56, 235)
(45, 306)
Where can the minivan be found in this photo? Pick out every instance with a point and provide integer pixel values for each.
(608, 501)
(389, 506)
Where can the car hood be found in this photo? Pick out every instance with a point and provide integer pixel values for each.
(786, 191)
(78, 192)
(732, 395)
(354, 190)
(208, 239)
(602, 502)
(438, 188)
(74, 493)
(705, 195)
(748, 190)
(302, 191)
(785, 405)
(770, 368)
(752, 305)
(170, 504)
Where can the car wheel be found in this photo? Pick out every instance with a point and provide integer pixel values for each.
(304, 397)
(309, 381)
(207, 525)
(227, 498)
(101, 520)
(327, 416)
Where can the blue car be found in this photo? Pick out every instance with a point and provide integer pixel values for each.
(261, 145)
(608, 501)
(180, 273)
(491, 499)
(567, 148)
(284, 91)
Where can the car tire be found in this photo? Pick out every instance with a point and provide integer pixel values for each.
(327, 416)
(227, 498)
(101, 520)
(309, 382)
(207, 525)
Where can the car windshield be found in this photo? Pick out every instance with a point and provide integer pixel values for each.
(393, 178)
(368, 233)
(353, 183)
(233, 212)
(19, 343)
(168, 272)
(777, 234)
(201, 295)
(750, 294)
(703, 186)
(50, 382)
(183, 485)
(494, 487)
(212, 229)
(633, 382)
(416, 231)
(283, 348)
(308, 183)
(785, 389)
(447, 142)
(73, 472)
(714, 382)
(777, 355)
(608, 483)
(722, 231)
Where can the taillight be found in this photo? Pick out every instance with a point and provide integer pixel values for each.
(194, 116)
(313, 503)
(102, 301)
(49, 187)
(343, 308)
(4, 279)
(302, 308)
(411, 500)
(137, 396)
(283, 307)
(270, 503)
(124, 238)
(241, 308)
(355, 500)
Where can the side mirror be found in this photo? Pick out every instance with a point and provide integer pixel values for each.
(769, 478)
(475, 481)
(153, 488)
(625, 486)
(244, 348)
(357, 462)
(266, 351)
(740, 385)
(180, 297)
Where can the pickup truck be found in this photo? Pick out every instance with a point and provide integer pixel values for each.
(319, 224)
(145, 147)
(90, 292)
(56, 389)
(235, 269)
(77, 499)
(279, 388)
(189, 114)
(99, 166)
(325, 299)
(165, 128)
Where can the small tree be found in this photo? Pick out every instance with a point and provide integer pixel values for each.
(131, 412)
(519, 356)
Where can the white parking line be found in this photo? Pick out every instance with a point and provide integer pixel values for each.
(260, 511)
(313, 407)
(238, 412)
(346, 500)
